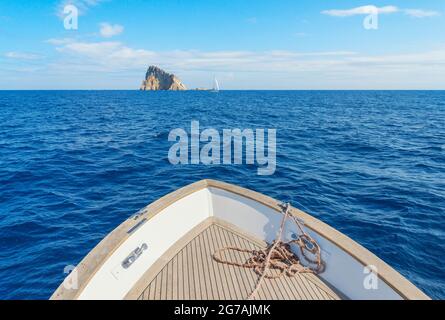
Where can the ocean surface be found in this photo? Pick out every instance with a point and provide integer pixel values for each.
(75, 164)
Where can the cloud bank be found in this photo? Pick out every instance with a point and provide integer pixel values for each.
(370, 9)
(116, 65)
(363, 10)
(21, 55)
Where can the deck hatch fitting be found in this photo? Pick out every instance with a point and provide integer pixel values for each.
(133, 256)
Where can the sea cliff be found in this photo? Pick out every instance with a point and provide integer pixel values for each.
(158, 79)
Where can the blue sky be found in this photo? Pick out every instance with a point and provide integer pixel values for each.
(246, 44)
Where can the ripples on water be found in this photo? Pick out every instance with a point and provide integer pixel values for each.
(74, 165)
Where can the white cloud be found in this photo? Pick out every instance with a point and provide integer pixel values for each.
(370, 9)
(420, 13)
(363, 10)
(108, 30)
(105, 56)
(115, 54)
(59, 41)
(90, 49)
(21, 55)
(82, 5)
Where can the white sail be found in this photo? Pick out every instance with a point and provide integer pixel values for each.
(215, 85)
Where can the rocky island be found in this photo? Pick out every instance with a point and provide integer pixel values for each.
(158, 79)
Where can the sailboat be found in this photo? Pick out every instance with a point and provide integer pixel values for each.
(215, 85)
(195, 243)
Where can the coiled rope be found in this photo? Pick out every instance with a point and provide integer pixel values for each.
(278, 256)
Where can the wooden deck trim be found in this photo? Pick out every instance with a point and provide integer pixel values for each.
(96, 257)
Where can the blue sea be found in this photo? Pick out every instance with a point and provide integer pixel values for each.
(75, 164)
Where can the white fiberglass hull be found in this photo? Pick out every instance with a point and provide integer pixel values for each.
(106, 272)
